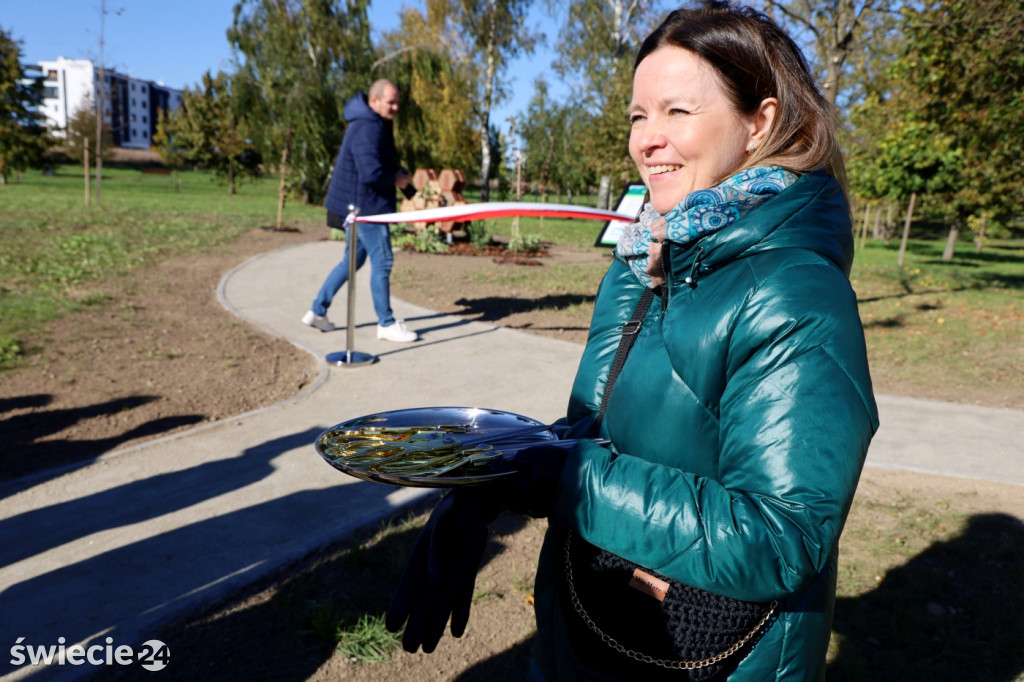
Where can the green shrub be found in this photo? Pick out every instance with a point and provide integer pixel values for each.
(479, 232)
(427, 240)
(10, 350)
(525, 242)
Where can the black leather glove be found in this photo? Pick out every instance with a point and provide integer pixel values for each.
(533, 488)
(439, 578)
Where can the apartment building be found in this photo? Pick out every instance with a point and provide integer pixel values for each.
(130, 104)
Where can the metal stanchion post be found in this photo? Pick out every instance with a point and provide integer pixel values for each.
(351, 358)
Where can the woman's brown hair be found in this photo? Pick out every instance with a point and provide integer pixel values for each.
(755, 59)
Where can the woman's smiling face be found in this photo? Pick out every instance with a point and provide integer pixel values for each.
(686, 134)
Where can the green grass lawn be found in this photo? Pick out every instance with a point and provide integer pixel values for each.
(53, 246)
(959, 323)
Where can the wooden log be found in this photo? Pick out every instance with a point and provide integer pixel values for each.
(447, 179)
(420, 177)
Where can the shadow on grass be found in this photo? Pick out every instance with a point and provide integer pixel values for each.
(23, 401)
(530, 327)
(953, 612)
(493, 308)
(1016, 249)
(998, 280)
(26, 452)
(887, 323)
(510, 665)
(966, 255)
(910, 293)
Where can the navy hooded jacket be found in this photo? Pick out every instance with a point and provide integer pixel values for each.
(364, 172)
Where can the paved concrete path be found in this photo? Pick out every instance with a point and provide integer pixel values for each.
(152, 532)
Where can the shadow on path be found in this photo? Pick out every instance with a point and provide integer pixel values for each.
(139, 501)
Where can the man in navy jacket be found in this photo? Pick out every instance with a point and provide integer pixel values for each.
(365, 176)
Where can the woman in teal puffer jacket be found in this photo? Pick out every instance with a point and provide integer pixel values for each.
(742, 414)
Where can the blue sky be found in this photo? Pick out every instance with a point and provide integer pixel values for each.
(176, 42)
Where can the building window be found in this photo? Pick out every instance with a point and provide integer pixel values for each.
(133, 87)
(50, 93)
(143, 88)
(144, 120)
(133, 101)
(143, 134)
(135, 133)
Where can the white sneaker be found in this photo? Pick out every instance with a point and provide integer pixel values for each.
(396, 332)
(319, 321)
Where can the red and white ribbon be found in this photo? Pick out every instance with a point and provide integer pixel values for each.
(495, 209)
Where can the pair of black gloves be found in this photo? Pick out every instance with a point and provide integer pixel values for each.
(439, 579)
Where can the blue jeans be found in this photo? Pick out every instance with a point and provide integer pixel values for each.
(374, 241)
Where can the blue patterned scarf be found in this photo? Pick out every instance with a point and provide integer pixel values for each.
(700, 213)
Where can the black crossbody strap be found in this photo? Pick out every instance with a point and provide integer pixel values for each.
(630, 330)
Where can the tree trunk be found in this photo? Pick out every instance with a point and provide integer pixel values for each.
(835, 27)
(954, 234)
(864, 226)
(603, 190)
(516, 238)
(85, 159)
(906, 229)
(231, 178)
(281, 189)
(979, 241)
(485, 125)
(99, 113)
(876, 230)
(545, 169)
(842, 32)
(485, 167)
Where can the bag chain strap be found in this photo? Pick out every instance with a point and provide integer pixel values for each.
(645, 658)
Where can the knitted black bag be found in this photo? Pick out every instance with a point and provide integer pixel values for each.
(691, 631)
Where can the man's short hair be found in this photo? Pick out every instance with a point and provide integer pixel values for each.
(380, 86)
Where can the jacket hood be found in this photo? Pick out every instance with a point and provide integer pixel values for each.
(810, 214)
(358, 108)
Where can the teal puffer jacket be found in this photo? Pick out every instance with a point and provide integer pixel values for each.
(740, 422)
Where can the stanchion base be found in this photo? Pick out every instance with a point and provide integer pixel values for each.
(350, 358)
